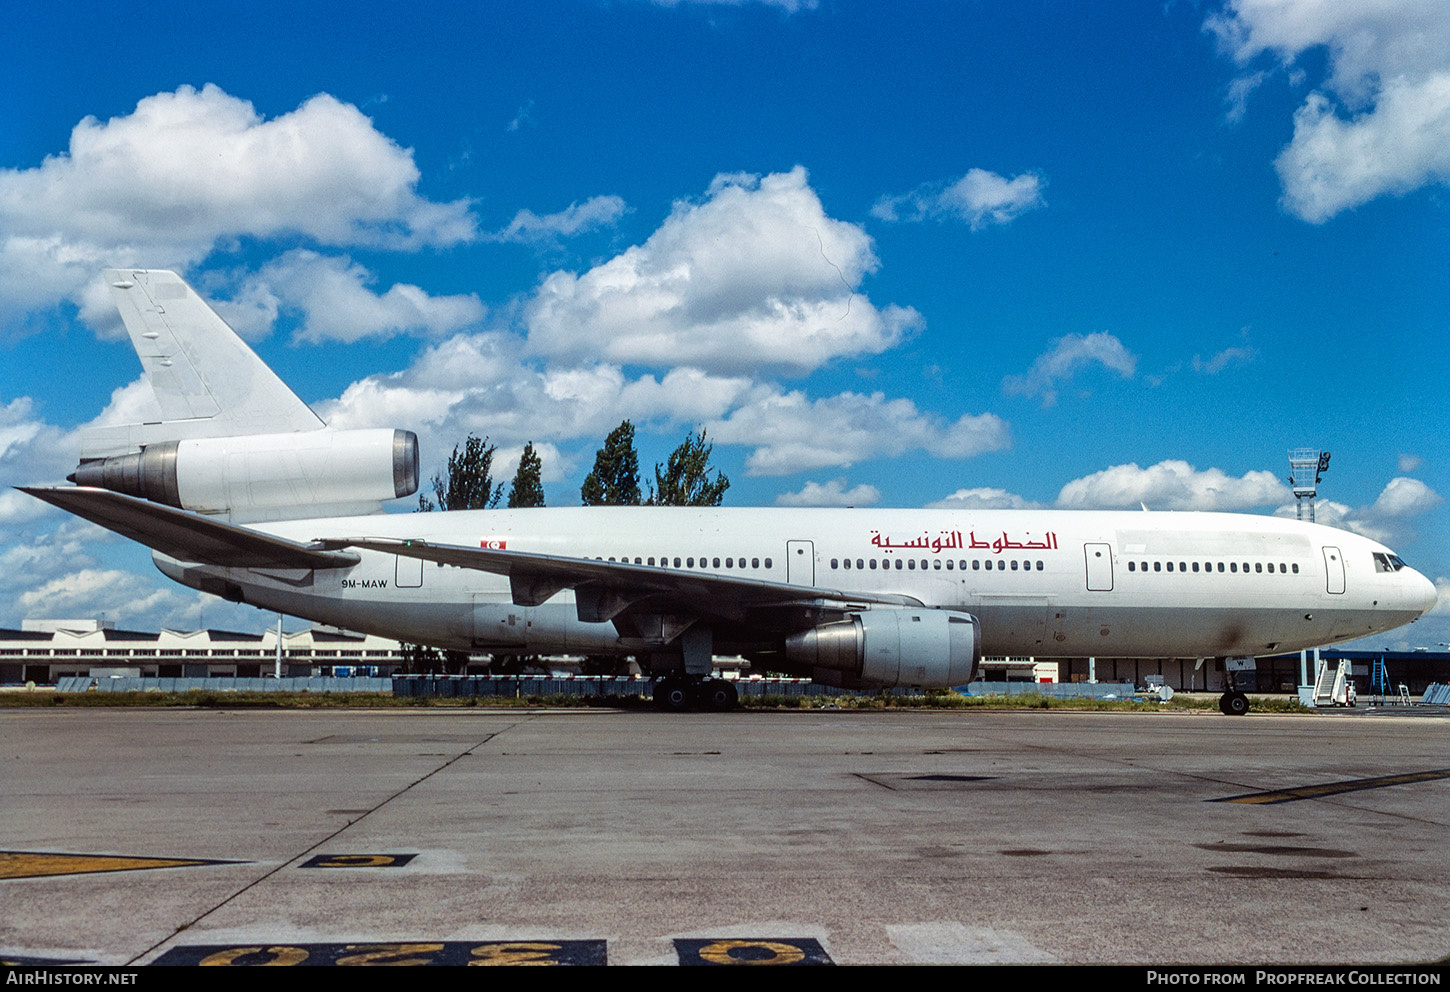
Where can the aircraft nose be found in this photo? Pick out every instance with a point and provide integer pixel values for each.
(1423, 594)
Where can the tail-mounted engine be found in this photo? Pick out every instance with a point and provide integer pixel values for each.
(261, 472)
(907, 647)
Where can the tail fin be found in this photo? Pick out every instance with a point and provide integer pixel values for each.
(208, 381)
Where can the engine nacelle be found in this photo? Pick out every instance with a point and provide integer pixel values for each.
(927, 648)
(263, 472)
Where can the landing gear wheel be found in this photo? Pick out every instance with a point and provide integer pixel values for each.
(1233, 704)
(718, 695)
(673, 695)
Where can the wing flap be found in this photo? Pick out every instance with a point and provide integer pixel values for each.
(186, 536)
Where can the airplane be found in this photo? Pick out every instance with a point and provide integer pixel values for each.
(243, 492)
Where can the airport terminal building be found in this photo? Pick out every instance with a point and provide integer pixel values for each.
(43, 651)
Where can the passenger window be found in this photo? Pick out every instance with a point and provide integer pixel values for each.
(936, 564)
(1131, 567)
(767, 563)
(1296, 568)
(755, 563)
(976, 565)
(835, 563)
(1220, 566)
(911, 564)
(1157, 566)
(1014, 566)
(651, 561)
(1039, 566)
(717, 563)
(1258, 566)
(898, 564)
(873, 564)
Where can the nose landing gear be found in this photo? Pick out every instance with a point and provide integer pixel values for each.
(1233, 703)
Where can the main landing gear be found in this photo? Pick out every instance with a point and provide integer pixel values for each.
(1233, 703)
(677, 694)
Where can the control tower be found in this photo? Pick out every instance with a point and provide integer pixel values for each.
(1306, 466)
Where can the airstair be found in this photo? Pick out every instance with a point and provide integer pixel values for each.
(1332, 686)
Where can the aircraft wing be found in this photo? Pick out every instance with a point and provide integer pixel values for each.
(605, 590)
(185, 536)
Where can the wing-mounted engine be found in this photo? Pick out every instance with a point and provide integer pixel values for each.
(904, 647)
(251, 475)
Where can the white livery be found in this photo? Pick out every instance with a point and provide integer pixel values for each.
(242, 492)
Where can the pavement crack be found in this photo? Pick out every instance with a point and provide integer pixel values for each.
(183, 927)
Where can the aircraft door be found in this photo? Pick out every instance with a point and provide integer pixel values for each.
(800, 563)
(409, 572)
(1099, 567)
(1334, 569)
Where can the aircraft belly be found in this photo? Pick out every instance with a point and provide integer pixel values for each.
(1181, 632)
(1012, 625)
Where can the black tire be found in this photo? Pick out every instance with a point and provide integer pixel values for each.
(719, 695)
(672, 695)
(1233, 704)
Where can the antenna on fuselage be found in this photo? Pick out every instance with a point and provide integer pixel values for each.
(1306, 467)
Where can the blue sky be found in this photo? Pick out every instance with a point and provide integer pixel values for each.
(950, 253)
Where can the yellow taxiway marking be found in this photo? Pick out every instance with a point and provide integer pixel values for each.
(1335, 788)
(35, 864)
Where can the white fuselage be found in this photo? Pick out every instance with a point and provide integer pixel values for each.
(1042, 583)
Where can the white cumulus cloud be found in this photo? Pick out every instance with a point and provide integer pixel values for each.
(528, 227)
(189, 170)
(793, 433)
(336, 303)
(980, 198)
(1386, 519)
(1404, 497)
(1067, 356)
(833, 493)
(1381, 121)
(1172, 485)
(983, 498)
(755, 275)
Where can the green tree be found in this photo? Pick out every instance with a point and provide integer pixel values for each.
(528, 489)
(469, 484)
(614, 480)
(685, 478)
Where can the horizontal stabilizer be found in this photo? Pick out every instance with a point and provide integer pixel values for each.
(185, 536)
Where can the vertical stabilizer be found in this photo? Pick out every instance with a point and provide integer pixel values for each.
(208, 381)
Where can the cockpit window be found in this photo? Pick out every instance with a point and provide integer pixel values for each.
(1387, 563)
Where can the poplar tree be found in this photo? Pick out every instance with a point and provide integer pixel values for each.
(614, 481)
(528, 488)
(469, 483)
(684, 480)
